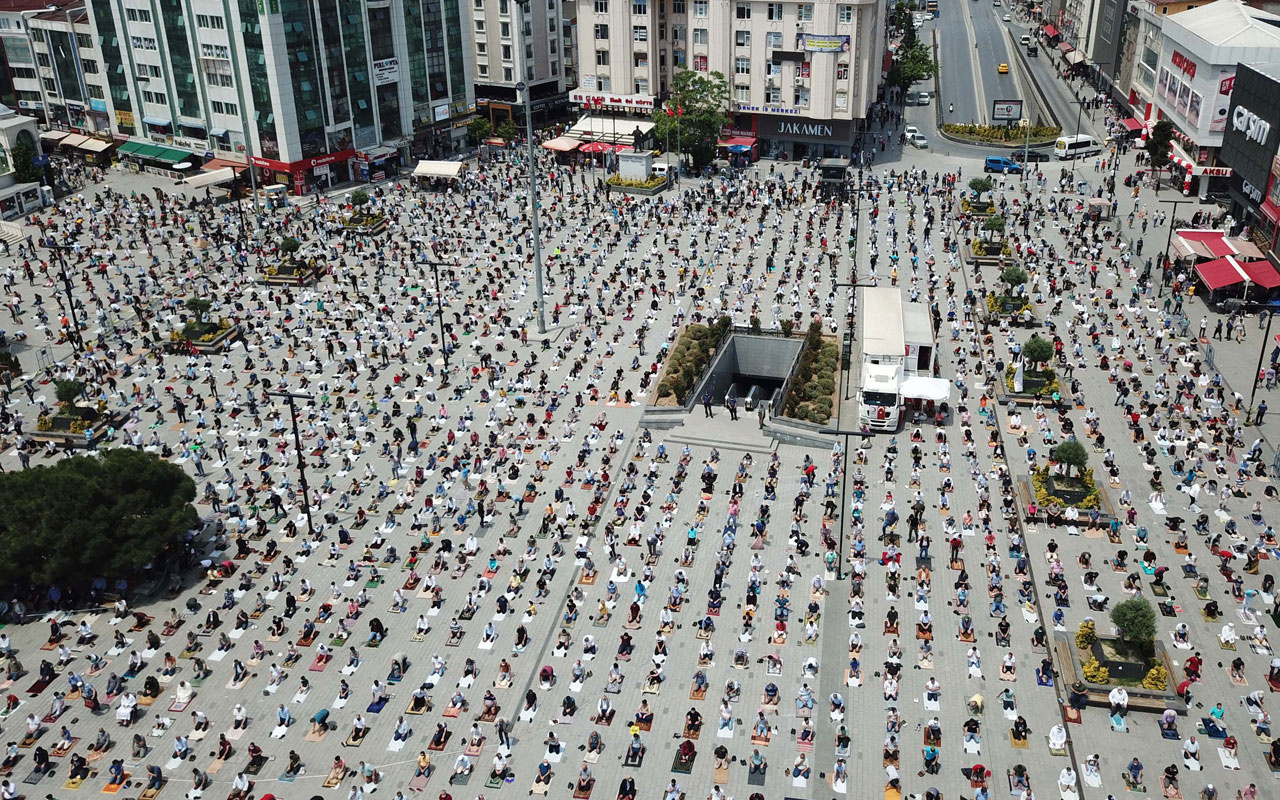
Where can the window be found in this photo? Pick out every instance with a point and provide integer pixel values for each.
(639, 33)
(678, 6)
(602, 58)
(700, 65)
(700, 35)
(640, 60)
(773, 39)
(677, 32)
(845, 14)
(504, 7)
(555, 68)
(210, 21)
(699, 8)
(842, 100)
(602, 6)
(89, 65)
(148, 43)
(218, 79)
(742, 66)
(482, 70)
(679, 58)
(775, 12)
(482, 49)
(42, 59)
(50, 87)
(504, 30)
(804, 12)
(220, 107)
(478, 5)
(742, 94)
(212, 50)
(603, 83)
(96, 92)
(30, 74)
(602, 30)
(506, 52)
(137, 15)
(479, 26)
(742, 38)
(639, 6)
(842, 72)
(773, 94)
(642, 85)
(155, 97)
(744, 11)
(148, 71)
(508, 75)
(802, 96)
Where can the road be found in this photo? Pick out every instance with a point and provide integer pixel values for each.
(963, 24)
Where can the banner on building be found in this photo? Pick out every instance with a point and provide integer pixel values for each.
(386, 71)
(822, 43)
(124, 118)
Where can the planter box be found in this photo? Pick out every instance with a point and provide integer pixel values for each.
(640, 190)
(1140, 698)
(61, 431)
(219, 342)
(292, 273)
(369, 228)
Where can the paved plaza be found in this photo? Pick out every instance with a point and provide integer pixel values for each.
(509, 572)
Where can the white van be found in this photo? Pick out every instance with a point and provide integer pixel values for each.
(663, 169)
(1026, 40)
(1078, 146)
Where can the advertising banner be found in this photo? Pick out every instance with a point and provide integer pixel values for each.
(822, 43)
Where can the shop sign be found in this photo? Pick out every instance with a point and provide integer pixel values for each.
(1215, 172)
(834, 130)
(768, 109)
(1254, 127)
(304, 164)
(822, 43)
(441, 112)
(641, 102)
(1185, 64)
(386, 71)
(1250, 191)
(124, 118)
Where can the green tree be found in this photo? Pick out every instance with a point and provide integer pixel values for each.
(198, 306)
(1158, 144)
(900, 17)
(68, 392)
(479, 129)
(704, 98)
(1037, 351)
(1073, 455)
(910, 65)
(359, 197)
(507, 130)
(993, 227)
(980, 186)
(24, 152)
(1135, 620)
(111, 516)
(1013, 276)
(289, 245)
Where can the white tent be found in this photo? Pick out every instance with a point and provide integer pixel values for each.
(922, 387)
(439, 169)
(213, 178)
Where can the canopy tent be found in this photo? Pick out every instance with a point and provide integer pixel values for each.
(439, 169)
(1261, 273)
(217, 176)
(496, 141)
(595, 147)
(562, 144)
(612, 130)
(922, 387)
(1133, 124)
(1050, 31)
(1208, 243)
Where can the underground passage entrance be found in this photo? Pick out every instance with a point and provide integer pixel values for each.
(752, 368)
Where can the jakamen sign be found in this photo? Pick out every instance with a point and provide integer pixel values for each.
(815, 129)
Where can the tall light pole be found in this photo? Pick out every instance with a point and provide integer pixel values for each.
(1164, 268)
(290, 398)
(527, 91)
(444, 349)
(77, 337)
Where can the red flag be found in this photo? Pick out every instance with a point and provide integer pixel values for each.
(680, 110)
(670, 113)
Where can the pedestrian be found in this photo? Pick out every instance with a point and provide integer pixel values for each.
(1260, 413)
(732, 403)
(706, 403)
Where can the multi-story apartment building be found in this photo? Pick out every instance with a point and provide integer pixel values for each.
(516, 41)
(801, 75)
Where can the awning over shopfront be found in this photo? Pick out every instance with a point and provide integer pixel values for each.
(595, 147)
(94, 145)
(53, 137)
(439, 169)
(158, 122)
(1064, 47)
(922, 387)
(741, 141)
(1132, 124)
(380, 153)
(1205, 243)
(1074, 57)
(496, 141)
(1220, 273)
(170, 155)
(132, 148)
(1050, 31)
(613, 130)
(217, 176)
(562, 144)
(72, 140)
(1261, 273)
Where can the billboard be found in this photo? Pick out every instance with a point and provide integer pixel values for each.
(822, 43)
(1006, 110)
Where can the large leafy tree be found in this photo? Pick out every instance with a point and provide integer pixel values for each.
(1158, 144)
(911, 65)
(83, 517)
(705, 99)
(24, 153)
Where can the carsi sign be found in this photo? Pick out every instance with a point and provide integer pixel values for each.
(1253, 127)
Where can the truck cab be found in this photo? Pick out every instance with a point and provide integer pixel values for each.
(879, 406)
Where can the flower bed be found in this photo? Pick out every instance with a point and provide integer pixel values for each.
(1006, 304)
(812, 394)
(688, 359)
(1081, 492)
(291, 273)
(1035, 383)
(1040, 134)
(361, 222)
(205, 337)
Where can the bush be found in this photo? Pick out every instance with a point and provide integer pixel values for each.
(755, 325)
(1001, 133)
(1135, 620)
(787, 327)
(359, 197)
(289, 245)
(981, 185)
(68, 392)
(1157, 679)
(1086, 634)
(651, 182)
(1037, 351)
(1094, 672)
(691, 355)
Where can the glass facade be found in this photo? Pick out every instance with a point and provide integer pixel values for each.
(457, 65)
(331, 29)
(304, 72)
(357, 75)
(415, 43)
(259, 88)
(437, 77)
(64, 64)
(178, 45)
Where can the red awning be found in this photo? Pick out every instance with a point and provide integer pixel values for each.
(595, 147)
(1261, 273)
(1272, 212)
(1050, 31)
(1219, 273)
(1215, 242)
(1132, 124)
(747, 141)
(1064, 47)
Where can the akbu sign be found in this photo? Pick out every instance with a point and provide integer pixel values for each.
(1185, 64)
(1253, 127)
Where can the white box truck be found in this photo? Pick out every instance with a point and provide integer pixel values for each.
(899, 358)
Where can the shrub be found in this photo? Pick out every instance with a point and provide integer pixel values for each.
(68, 392)
(198, 306)
(651, 182)
(1157, 679)
(664, 389)
(289, 245)
(1086, 634)
(1037, 351)
(1073, 455)
(359, 197)
(1135, 620)
(1001, 133)
(755, 325)
(787, 327)
(1094, 672)
(1012, 275)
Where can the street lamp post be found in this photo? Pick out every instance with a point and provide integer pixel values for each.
(524, 88)
(77, 337)
(844, 493)
(291, 398)
(1164, 268)
(849, 324)
(444, 348)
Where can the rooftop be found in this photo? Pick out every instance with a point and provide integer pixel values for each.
(1230, 23)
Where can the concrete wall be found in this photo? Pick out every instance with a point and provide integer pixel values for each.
(750, 356)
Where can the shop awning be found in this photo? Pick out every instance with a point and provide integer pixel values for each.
(72, 140)
(1261, 273)
(438, 169)
(746, 141)
(161, 122)
(1220, 273)
(562, 144)
(922, 387)
(1064, 47)
(1205, 243)
(1132, 124)
(496, 141)
(218, 133)
(614, 130)
(132, 148)
(170, 155)
(52, 136)
(213, 178)
(1050, 31)
(595, 147)
(94, 145)
(379, 153)
(1074, 57)
(739, 148)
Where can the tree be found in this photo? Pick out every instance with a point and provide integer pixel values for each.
(1037, 351)
(980, 186)
(1013, 276)
(479, 129)
(900, 17)
(198, 306)
(1072, 455)
(289, 245)
(1158, 144)
(911, 64)
(1135, 620)
(507, 130)
(359, 197)
(111, 516)
(699, 102)
(993, 227)
(68, 392)
(24, 152)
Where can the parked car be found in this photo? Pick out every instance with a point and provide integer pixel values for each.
(1032, 156)
(917, 141)
(1001, 164)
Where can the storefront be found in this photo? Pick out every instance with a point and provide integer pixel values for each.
(168, 161)
(375, 164)
(309, 174)
(798, 138)
(1249, 146)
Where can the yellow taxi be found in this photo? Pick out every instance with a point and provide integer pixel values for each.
(1003, 69)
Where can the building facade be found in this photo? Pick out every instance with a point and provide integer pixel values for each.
(1250, 145)
(801, 75)
(515, 41)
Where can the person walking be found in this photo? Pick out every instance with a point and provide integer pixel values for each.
(1260, 413)
(706, 403)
